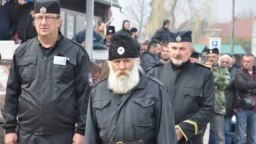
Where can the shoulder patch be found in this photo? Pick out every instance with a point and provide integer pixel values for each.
(156, 65)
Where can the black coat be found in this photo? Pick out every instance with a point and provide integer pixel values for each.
(47, 97)
(144, 113)
(230, 94)
(24, 15)
(148, 60)
(246, 87)
(191, 90)
(8, 23)
(163, 35)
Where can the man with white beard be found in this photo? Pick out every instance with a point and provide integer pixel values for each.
(190, 87)
(128, 107)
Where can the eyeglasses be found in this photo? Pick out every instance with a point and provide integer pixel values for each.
(47, 18)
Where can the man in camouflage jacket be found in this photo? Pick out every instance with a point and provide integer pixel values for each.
(221, 80)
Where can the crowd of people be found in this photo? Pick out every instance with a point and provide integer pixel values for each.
(156, 92)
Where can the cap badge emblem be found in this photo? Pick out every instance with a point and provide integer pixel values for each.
(43, 10)
(178, 38)
(120, 50)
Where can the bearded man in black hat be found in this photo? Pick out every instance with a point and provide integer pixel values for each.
(47, 85)
(190, 87)
(128, 107)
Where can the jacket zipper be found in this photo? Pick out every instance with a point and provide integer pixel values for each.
(43, 92)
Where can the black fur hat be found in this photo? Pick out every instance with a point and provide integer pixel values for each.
(122, 46)
(214, 50)
(111, 30)
(195, 54)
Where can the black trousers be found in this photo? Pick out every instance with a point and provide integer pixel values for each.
(30, 138)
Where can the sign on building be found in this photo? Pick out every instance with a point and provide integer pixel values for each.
(214, 42)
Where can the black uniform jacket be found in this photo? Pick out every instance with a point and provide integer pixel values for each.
(191, 90)
(48, 98)
(142, 114)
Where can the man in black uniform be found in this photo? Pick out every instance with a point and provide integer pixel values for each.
(190, 87)
(164, 33)
(128, 107)
(47, 85)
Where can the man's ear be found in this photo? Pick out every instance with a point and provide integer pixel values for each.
(60, 22)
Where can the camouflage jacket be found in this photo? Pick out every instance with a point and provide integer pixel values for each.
(221, 80)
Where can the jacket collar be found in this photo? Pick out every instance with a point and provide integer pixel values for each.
(253, 70)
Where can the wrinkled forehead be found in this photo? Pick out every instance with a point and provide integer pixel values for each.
(180, 44)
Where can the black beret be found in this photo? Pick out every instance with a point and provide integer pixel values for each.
(182, 36)
(111, 30)
(47, 6)
(214, 50)
(195, 54)
(122, 46)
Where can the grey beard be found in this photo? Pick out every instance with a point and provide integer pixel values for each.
(123, 84)
(177, 62)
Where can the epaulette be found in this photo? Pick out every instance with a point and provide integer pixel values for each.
(156, 65)
(201, 65)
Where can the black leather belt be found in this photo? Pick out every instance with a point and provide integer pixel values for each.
(134, 142)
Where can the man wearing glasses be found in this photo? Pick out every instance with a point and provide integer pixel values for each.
(47, 85)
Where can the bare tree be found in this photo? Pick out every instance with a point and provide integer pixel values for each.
(139, 13)
(184, 15)
(250, 13)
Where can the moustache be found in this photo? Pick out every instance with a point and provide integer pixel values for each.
(122, 73)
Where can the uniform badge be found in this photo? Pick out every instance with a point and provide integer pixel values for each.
(110, 31)
(178, 38)
(120, 50)
(32, 13)
(43, 10)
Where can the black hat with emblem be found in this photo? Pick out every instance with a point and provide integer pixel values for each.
(47, 6)
(195, 54)
(122, 46)
(214, 50)
(181, 36)
(111, 30)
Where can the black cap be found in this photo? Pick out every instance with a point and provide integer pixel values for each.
(111, 30)
(122, 46)
(195, 54)
(214, 50)
(47, 6)
(132, 30)
(182, 36)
